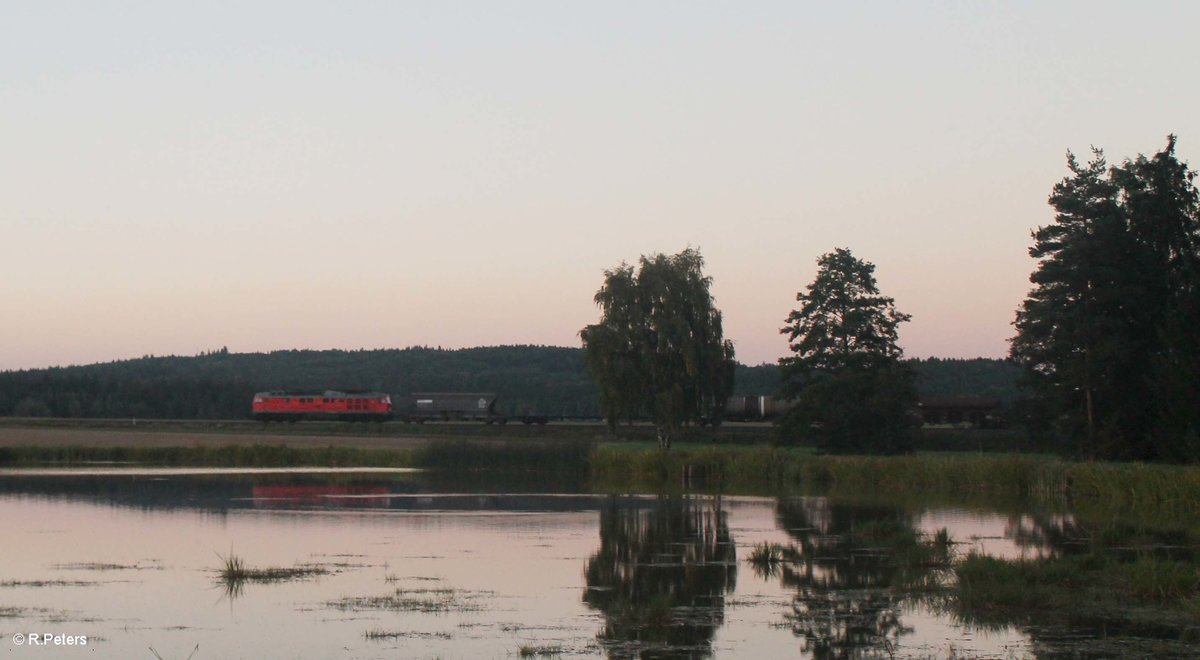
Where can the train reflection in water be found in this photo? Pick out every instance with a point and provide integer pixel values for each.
(278, 497)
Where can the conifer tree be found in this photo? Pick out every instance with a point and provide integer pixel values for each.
(1107, 332)
(851, 393)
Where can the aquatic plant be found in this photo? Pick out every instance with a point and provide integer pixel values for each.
(1097, 584)
(766, 558)
(102, 566)
(412, 600)
(530, 651)
(48, 583)
(377, 634)
(1039, 477)
(235, 573)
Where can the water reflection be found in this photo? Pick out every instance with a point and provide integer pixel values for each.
(1045, 535)
(661, 575)
(849, 582)
(845, 567)
(291, 496)
(224, 491)
(1056, 535)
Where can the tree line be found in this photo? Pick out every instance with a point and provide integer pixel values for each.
(220, 385)
(527, 379)
(1107, 337)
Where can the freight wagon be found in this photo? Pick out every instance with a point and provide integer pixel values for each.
(421, 407)
(346, 406)
(754, 408)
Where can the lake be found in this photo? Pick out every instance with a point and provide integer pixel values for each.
(395, 563)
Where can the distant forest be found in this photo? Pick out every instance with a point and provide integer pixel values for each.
(545, 380)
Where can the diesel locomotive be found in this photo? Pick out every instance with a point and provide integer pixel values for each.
(344, 406)
(362, 406)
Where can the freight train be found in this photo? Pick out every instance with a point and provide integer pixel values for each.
(421, 407)
(355, 406)
(754, 408)
(345, 406)
(447, 406)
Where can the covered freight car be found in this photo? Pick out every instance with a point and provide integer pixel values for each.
(755, 408)
(448, 406)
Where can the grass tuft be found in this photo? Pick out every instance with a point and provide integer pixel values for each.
(235, 573)
(530, 651)
(766, 559)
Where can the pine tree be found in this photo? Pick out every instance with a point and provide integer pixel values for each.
(851, 392)
(1163, 207)
(1104, 334)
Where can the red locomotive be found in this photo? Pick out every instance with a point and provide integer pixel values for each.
(350, 406)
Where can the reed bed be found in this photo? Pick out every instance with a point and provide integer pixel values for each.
(1038, 477)
(988, 589)
(741, 468)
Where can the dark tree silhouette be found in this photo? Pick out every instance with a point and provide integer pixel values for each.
(852, 392)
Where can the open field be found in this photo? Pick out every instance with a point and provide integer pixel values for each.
(52, 432)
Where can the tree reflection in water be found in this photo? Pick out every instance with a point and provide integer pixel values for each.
(847, 567)
(661, 575)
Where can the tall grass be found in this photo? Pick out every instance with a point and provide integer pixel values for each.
(234, 574)
(989, 589)
(742, 468)
(996, 476)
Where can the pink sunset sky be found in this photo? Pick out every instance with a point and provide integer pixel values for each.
(177, 177)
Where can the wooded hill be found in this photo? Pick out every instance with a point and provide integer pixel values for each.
(546, 380)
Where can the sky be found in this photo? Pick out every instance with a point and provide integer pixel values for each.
(177, 177)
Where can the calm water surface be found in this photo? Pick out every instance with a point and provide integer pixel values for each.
(422, 568)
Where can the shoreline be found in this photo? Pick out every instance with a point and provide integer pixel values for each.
(63, 437)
